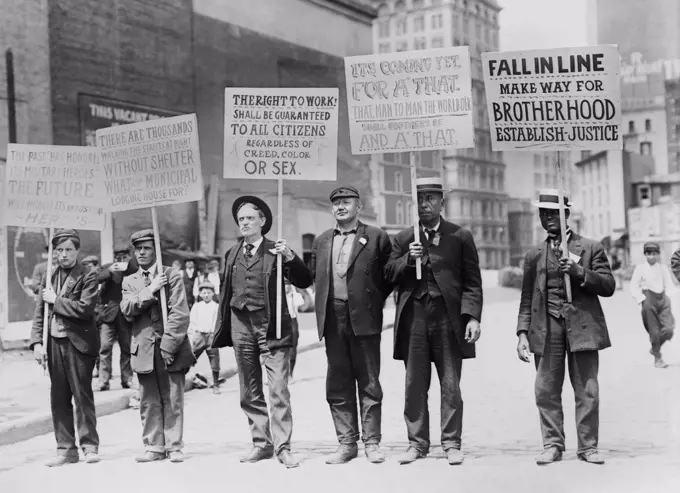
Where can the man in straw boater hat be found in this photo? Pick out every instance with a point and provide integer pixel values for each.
(348, 262)
(553, 329)
(72, 348)
(247, 321)
(161, 353)
(437, 318)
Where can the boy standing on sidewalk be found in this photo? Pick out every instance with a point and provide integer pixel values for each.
(201, 331)
(649, 285)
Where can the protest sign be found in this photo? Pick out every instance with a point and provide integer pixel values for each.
(551, 100)
(272, 133)
(151, 163)
(410, 101)
(4, 274)
(53, 186)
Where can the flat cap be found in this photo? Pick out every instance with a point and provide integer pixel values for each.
(344, 193)
(64, 234)
(121, 248)
(91, 259)
(651, 246)
(142, 235)
(206, 285)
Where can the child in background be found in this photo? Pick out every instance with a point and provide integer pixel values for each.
(203, 316)
(649, 285)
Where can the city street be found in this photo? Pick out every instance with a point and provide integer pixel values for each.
(640, 430)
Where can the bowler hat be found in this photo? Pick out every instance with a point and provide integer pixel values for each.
(142, 235)
(64, 234)
(549, 198)
(430, 184)
(257, 202)
(344, 193)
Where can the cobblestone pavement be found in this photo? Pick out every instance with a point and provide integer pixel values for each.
(640, 431)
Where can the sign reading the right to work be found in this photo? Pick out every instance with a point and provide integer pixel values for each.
(554, 100)
(281, 133)
(53, 186)
(151, 163)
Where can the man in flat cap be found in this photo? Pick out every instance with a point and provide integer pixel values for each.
(91, 262)
(161, 353)
(247, 321)
(112, 324)
(348, 262)
(554, 330)
(649, 286)
(72, 348)
(437, 318)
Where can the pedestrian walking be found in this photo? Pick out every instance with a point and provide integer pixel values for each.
(649, 286)
(72, 348)
(112, 324)
(552, 329)
(348, 262)
(247, 322)
(203, 318)
(189, 275)
(294, 300)
(437, 319)
(161, 354)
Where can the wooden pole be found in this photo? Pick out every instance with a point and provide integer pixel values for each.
(279, 261)
(563, 222)
(159, 264)
(415, 218)
(46, 312)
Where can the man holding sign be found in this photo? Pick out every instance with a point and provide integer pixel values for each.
(437, 318)
(72, 348)
(247, 321)
(552, 328)
(161, 355)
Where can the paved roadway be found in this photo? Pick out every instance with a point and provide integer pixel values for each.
(640, 431)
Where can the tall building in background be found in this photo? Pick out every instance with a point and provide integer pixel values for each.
(476, 177)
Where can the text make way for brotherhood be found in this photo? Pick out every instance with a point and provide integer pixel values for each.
(151, 163)
(281, 133)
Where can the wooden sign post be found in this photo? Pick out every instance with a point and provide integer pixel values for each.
(563, 223)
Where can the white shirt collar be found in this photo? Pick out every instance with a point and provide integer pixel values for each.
(255, 244)
(151, 270)
(436, 228)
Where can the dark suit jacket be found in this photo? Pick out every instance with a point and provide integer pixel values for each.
(111, 291)
(455, 265)
(367, 287)
(142, 308)
(295, 271)
(75, 307)
(189, 285)
(586, 326)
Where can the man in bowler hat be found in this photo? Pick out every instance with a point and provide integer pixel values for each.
(72, 347)
(348, 262)
(161, 355)
(437, 318)
(554, 330)
(247, 321)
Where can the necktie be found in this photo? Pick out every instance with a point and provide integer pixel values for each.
(345, 233)
(430, 235)
(147, 279)
(249, 250)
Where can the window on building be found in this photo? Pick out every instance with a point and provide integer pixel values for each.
(400, 5)
(409, 212)
(418, 4)
(401, 26)
(398, 182)
(307, 242)
(485, 209)
(501, 181)
(420, 43)
(455, 22)
(404, 158)
(399, 212)
(436, 3)
(384, 29)
(538, 180)
(419, 23)
(646, 148)
(427, 159)
(388, 157)
(648, 125)
(402, 46)
(492, 179)
(462, 175)
(478, 31)
(437, 21)
(677, 131)
(631, 127)
(463, 210)
(537, 161)
(482, 177)
(438, 42)
(384, 48)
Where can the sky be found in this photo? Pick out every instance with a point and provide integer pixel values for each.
(539, 24)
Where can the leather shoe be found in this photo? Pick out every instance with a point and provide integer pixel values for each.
(61, 460)
(257, 454)
(374, 454)
(149, 456)
(592, 457)
(287, 459)
(345, 453)
(176, 456)
(411, 455)
(92, 457)
(454, 456)
(548, 456)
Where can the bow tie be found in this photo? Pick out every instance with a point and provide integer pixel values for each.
(345, 233)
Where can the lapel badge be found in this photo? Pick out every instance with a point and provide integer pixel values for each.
(362, 240)
(435, 241)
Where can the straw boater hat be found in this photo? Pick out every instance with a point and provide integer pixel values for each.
(430, 184)
(549, 198)
(261, 204)
(206, 285)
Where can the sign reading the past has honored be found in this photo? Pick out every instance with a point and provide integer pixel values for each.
(552, 100)
(151, 163)
(410, 101)
(281, 133)
(53, 186)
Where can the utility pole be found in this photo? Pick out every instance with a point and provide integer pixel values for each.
(11, 97)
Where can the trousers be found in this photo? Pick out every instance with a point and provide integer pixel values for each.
(550, 372)
(658, 319)
(118, 330)
(201, 342)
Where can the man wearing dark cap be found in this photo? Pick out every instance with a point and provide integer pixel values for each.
(437, 318)
(649, 286)
(91, 262)
(554, 330)
(161, 353)
(348, 263)
(72, 348)
(112, 324)
(247, 321)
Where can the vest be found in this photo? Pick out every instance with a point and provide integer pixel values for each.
(555, 285)
(247, 283)
(427, 284)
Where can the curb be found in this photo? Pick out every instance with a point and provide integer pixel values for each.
(30, 427)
